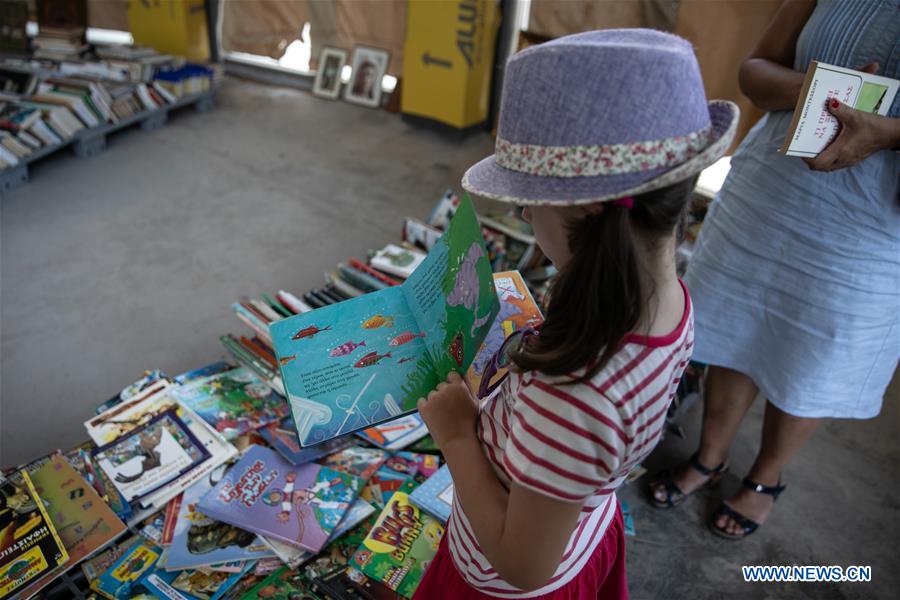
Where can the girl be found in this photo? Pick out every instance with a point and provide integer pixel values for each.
(600, 135)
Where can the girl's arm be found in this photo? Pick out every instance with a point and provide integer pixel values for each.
(767, 76)
(522, 533)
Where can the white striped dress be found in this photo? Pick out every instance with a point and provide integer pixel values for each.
(574, 443)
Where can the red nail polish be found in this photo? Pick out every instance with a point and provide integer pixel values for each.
(835, 103)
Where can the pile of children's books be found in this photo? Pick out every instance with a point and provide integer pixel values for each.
(197, 486)
(45, 103)
(305, 471)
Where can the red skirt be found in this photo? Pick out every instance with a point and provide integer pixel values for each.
(601, 578)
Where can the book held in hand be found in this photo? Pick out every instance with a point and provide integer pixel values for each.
(366, 360)
(813, 127)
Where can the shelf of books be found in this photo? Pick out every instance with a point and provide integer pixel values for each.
(47, 105)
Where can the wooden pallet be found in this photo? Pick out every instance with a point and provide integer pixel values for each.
(90, 142)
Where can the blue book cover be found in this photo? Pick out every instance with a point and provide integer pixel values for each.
(199, 540)
(119, 579)
(188, 585)
(283, 438)
(355, 364)
(436, 494)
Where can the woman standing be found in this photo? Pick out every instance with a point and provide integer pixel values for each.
(796, 274)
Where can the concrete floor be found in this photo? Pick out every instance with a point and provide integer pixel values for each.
(130, 260)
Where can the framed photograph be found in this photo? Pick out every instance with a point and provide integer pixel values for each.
(369, 66)
(328, 75)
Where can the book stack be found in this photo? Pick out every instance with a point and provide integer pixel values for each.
(59, 43)
(44, 106)
(197, 486)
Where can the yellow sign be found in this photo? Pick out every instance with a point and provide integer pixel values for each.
(448, 60)
(171, 27)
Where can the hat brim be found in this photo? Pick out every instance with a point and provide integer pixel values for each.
(489, 180)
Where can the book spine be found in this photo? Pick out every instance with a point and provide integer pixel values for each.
(293, 302)
(360, 279)
(254, 326)
(342, 286)
(359, 266)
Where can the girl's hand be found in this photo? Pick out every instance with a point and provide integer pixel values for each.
(450, 411)
(861, 135)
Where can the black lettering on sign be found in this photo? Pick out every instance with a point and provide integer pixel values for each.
(465, 35)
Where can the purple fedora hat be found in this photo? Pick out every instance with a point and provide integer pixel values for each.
(601, 115)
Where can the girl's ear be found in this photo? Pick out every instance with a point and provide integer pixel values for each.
(590, 210)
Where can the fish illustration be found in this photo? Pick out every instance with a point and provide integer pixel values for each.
(377, 321)
(309, 332)
(405, 359)
(370, 359)
(456, 348)
(345, 348)
(286, 359)
(405, 338)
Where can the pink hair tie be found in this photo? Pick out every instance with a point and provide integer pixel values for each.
(627, 202)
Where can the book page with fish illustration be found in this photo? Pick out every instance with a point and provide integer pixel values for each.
(360, 362)
(351, 365)
(452, 294)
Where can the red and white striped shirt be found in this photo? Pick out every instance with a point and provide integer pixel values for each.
(574, 443)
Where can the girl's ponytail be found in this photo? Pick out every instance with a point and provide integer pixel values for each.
(597, 297)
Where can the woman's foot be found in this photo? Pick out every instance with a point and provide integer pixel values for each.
(670, 488)
(744, 512)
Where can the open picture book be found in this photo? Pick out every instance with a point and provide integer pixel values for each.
(369, 359)
(813, 127)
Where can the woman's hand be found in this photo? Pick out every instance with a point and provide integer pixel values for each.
(450, 411)
(861, 135)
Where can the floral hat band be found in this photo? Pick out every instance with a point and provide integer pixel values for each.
(597, 160)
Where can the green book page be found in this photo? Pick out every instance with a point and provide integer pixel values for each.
(451, 294)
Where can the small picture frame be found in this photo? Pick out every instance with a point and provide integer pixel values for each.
(368, 68)
(328, 74)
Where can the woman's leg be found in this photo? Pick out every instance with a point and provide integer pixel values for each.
(783, 435)
(726, 399)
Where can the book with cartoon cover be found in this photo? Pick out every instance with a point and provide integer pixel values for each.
(436, 494)
(188, 584)
(199, 541)
(296, 504)
(117, 582)
(356, 460)
(400, 546)
(352, 365)
(151, 456)
(29, 544)
(83, 521)
(518, 310)
(234, 402)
